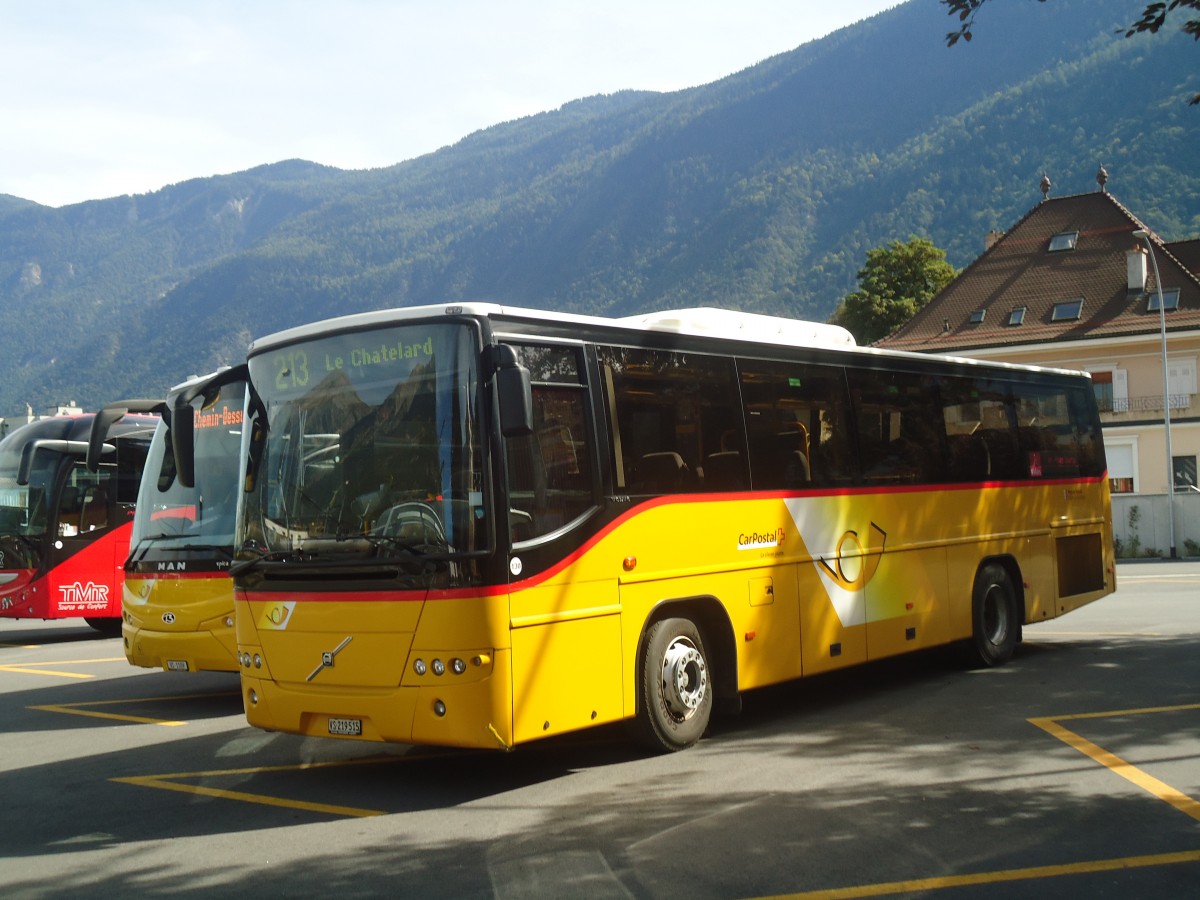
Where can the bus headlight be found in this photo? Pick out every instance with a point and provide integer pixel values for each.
(419, 667)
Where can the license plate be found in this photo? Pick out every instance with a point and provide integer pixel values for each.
(177, 665)
(350, 727)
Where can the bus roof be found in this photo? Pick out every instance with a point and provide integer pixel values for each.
(703, 322)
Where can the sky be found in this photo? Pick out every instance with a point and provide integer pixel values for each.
(100, 99)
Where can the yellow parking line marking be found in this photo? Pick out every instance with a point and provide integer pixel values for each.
(77, 709)
(260, 799)
(1110, 761)
(1114, 763)
(18, 670)
(999, 877)
(166, 782)
(37, 668)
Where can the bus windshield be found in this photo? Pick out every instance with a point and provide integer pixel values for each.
(205, 514)
(23, 506)
(365, 444)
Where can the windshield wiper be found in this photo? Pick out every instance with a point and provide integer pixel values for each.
(246, 565)
(407, 546)
(144, 545)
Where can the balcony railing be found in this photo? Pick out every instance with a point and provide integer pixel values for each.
(1144, 404)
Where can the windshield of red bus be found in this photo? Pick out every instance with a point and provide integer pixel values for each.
(206, 513)
(370, 445)
(24, 507)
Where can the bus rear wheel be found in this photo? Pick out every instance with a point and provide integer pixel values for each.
(994, 618)
(675, 691)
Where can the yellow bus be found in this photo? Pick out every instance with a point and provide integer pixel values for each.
(475, 525)
(177, 606)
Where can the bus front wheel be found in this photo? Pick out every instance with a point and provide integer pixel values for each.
(994, 618)
(675, 693)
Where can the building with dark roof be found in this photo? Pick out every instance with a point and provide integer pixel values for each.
(1072, 285)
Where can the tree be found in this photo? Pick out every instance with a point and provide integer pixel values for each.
(896, 281)
(1153, 17)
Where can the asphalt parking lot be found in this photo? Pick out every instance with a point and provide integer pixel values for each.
(1073, 771)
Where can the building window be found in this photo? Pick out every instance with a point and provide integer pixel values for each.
(1122, 465)
(1067, 311)
(1064, 241)
(1102, 384)
(1183, 470)
(977, 316)
(1170, 300)
(1017, 316)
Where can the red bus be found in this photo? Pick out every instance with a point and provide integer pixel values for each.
(64, 529)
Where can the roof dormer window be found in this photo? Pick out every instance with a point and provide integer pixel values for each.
(1067, 311)
(976, 316)
(1170, 300)
(1017, 316)
(1065, 240)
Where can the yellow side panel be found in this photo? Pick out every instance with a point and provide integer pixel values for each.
(768, 634)
(906, 605)
(828, 643)
(566, 676)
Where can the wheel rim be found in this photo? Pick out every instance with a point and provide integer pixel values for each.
(684, 678)
(995, 615)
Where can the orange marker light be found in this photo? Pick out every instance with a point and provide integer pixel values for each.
(629, 563)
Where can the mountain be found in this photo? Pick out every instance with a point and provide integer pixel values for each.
(761, 191)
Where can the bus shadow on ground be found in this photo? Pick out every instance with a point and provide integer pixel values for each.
(897, 716)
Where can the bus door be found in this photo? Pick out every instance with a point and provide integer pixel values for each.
(86, 554)
(563, 605)
(902, 446)
(801, 444)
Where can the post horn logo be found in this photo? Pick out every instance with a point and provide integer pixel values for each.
(853, 564)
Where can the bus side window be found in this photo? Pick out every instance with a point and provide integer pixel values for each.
(1051, 444)
(797, 425)
(980, 430)
(550, 470)
(676, 421)
(901, 438)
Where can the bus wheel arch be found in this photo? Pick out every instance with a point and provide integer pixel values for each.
(109, 626)
(686, 661)
(997, 611)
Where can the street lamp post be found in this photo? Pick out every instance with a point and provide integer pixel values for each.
(1144, 236)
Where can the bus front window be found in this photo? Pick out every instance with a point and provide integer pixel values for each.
(24, 511)
(369, 444)
(204, 513)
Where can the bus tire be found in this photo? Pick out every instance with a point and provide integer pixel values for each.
(109, 625)
(675, 692)
(995, 623)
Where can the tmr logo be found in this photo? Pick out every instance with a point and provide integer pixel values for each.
(83, 596)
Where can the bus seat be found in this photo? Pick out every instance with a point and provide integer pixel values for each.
(969, 458)
(69, 501)
(797, 472)
(95, 510)
(661, 473)
(725, 471)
